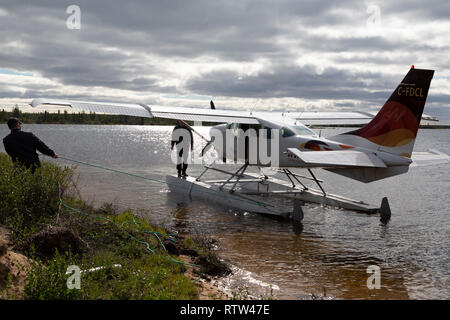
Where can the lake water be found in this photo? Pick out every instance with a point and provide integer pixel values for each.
(336, 246)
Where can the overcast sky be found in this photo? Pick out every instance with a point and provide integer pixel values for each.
(272, 55)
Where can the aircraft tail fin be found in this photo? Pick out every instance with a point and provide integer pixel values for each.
(394, 128)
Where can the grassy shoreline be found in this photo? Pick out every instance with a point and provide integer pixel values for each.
(128, 258)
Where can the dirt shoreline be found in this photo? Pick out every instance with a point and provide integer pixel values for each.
(13, 267)
(207, 290)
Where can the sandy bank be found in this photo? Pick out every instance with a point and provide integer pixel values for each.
(13, 267)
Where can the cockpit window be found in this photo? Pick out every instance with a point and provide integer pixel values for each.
(303, 131)
(286, 132)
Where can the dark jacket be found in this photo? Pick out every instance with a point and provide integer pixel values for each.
(181, 137)
(21, 147)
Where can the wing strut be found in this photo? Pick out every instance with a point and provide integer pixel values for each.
(289, 174)
(317, 181)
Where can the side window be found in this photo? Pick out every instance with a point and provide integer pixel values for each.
(286, 132)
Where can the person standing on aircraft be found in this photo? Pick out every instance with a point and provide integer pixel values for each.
(21, 146)
(181, 131)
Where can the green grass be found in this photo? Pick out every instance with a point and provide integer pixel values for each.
(142, 275)
(29, 203)
(30, 200)
(149, 277)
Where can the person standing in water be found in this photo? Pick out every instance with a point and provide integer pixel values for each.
(183, 138)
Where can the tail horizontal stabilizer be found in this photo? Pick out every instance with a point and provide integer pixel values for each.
(337, 159)
(429, 158)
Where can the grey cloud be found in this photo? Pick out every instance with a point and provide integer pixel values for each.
(233, 29)
(418, 10)
(7, 93)
(288, 81)
(229, 31)
(438, 98)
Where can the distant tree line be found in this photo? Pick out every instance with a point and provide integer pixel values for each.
(80, 118)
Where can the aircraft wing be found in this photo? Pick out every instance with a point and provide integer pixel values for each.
(429, 158)
(208, 115)
(150, 111)
(340, 158)
(128, 109)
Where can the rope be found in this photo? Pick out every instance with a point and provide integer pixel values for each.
(151, 179)
(109, 169)
(147, 245)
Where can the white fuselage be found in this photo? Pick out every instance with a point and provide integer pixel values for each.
(266, 144)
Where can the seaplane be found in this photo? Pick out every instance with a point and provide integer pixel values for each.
(282, 141)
